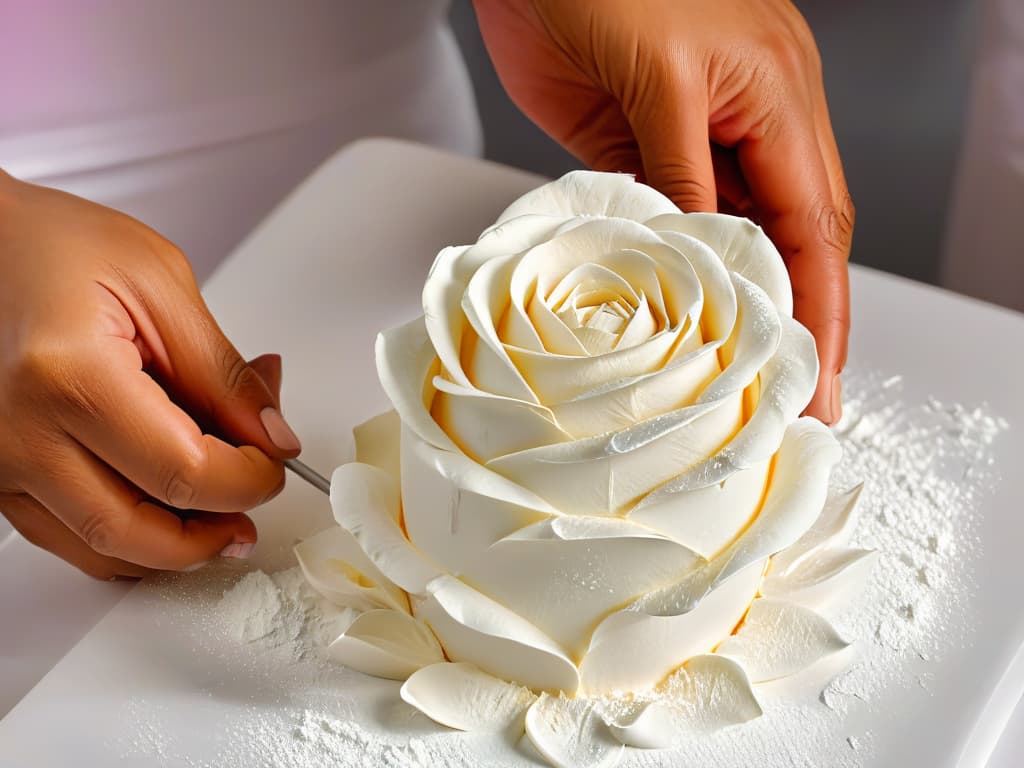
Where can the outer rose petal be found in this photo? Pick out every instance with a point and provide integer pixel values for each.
(387, 644)
(377, 443)
(406, 364)
(743, 247)
(337, 568)
(634, 651)
(462, 696)
(455, 509)
(472, 627)
(567, 573)
(779, 639)
(706, 694)
(586, 193)
(570, 733)
(365, 502)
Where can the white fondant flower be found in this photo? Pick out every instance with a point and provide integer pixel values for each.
(595, 455)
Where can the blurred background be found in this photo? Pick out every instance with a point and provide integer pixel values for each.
(897, 77)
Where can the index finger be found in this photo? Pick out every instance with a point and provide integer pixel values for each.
(792, 192)
(126, 419)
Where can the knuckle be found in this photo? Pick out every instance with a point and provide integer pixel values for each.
(180, 488)
(239, 377)
(833, 227)
(682, 184)
(103, 532)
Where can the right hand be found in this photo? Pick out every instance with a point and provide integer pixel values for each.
(121, 401)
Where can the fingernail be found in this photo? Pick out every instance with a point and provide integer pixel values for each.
(238, 549)
(278, 431)
(195, 567)
(837, 399)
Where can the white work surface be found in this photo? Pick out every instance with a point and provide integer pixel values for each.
(345, 256)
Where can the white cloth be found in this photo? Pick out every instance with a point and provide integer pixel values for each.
(197, 117)
(985, 242)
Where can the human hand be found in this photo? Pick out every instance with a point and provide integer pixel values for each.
(720, 106)
(114, 381)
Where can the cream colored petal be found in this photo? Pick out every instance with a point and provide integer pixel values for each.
(484, 303)
(388, 644)
(779, 639)
(474, 628)
(454, 508)
(640, 327)
(601, 476)
(565, 574)
(627, 402)
(706, 694)
(589, 193)
(377, 442)
(555, 335)
(794, 500)
(337, 568)
(570, 733)
(485, 426)
(743, 247)
(634, 651)
(720, 308)
(451, 272)
(826, 578)
(406, 364)
(462, 696)
(833, 528)
(708, 519)
(366, 503)
(787, 382)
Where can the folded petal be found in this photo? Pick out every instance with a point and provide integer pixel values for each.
(833, 528)
(386, 643)
(406, 366)
(474, 628)
(570, 733)
(706, 694)
(565, 574)
(377, 442)
(454, 509)
(634, 651)
(365, 502)
(743, 247)
(462, 696)
(337, 568)
(587, 193)
(779, 639)
(825, 578)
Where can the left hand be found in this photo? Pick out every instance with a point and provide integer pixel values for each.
(718, 105)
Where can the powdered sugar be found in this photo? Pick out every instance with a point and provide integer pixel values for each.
(925, 466)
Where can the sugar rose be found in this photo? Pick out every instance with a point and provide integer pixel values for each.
(595, 452)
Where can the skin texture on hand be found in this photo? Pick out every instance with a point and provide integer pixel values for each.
(720, 106)
(121, 401)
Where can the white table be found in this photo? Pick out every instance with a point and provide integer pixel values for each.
(354, 242)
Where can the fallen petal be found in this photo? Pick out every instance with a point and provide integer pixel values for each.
(462, 696)
(570, 733)
(387, 644)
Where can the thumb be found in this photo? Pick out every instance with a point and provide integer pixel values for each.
(268, 368)
(671, 129)
(203, 372)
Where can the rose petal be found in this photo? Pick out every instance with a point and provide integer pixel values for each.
(720, 308)
(337, 568)
(485, 425)
(597, 476)
(571, 734)
(779, 639)
(707, 519)
(825, 577)
(366, 503)
(743, 247)
(377, 443)
(386, 643)
(833, 528)
(474, 628)
(454, 508)
(587, 193)
(406, 364)
(462, 696)
(706, 694)
(565, 574)
(634, 651)
(451, 272)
